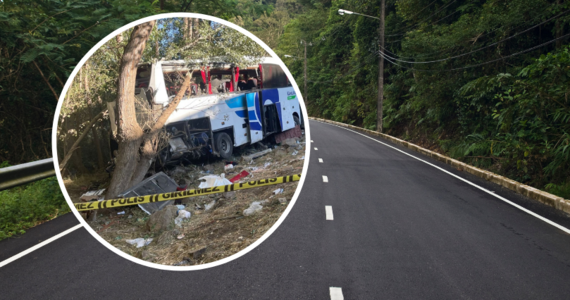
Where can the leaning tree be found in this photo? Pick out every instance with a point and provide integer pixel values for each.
(171, 39)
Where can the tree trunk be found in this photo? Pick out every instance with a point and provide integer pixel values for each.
(129, 132)
(151, 139)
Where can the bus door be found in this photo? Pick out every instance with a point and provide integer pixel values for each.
(254, 117)
(271, 113)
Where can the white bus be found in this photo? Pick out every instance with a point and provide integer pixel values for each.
(218, 112)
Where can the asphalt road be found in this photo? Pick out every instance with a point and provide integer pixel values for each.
(401, 229)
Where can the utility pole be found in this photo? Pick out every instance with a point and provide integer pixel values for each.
(380, 101)
(381, 70)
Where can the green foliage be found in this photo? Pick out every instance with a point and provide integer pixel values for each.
(24, 207)
(510, 116)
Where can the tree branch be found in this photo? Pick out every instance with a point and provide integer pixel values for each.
(81, 32)
(50, 87)
(76, 144)
(172, 105)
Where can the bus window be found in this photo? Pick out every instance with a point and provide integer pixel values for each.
(274, 77)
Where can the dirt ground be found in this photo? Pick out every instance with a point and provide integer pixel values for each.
(210, 234)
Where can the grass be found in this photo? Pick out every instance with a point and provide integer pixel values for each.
(29, 205)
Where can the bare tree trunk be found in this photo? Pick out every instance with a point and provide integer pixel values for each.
(130, 133)
(195, 28)
(186, 28)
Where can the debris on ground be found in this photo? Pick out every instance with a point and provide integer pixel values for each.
(182, 214)
(93, 195)
(253, 208)
(210, 205)
(239, 176)
(213, 180)
(250, 158)
(220, 224)
(156, 184)
(140, 242)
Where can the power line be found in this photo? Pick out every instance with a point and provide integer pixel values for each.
(411, 26)
(350, 71)
(476, 38)
(476, 50)
(480, 64)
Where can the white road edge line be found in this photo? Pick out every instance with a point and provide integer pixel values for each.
(38, 246)
(316, 149)
(325, 178)
(329, 213)
(321, 160)
(469, 182)
(336, 293)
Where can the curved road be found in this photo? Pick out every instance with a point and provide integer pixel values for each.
(397, 228)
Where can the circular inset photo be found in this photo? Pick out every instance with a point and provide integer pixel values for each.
(180, 141)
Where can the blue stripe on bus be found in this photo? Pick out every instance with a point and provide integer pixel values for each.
(241, 113)
(235, 102)
(251, 115)
(254, 126)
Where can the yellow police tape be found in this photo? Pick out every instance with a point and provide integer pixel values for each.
(184, 194)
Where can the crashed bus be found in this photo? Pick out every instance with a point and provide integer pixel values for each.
(217, 112)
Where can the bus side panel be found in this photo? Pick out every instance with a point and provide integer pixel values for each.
(254, 116)
(289, 105)
(237, 119)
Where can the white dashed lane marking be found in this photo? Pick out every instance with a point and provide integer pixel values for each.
(316, 149)
(336, 293)
(325, 178)
(329, 213)
(321, 160)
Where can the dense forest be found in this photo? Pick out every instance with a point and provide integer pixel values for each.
(484, 81)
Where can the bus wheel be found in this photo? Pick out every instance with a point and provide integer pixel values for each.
(224, 145)
(297, 121)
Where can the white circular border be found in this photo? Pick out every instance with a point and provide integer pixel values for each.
(160, 266)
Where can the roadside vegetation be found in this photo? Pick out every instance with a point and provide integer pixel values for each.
(27, 206)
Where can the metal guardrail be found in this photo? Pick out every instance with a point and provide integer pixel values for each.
(25, 173)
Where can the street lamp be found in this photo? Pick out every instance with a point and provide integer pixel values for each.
(342, 12)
